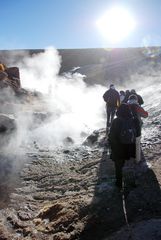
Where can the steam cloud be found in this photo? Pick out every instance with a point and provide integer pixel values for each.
(75, 108)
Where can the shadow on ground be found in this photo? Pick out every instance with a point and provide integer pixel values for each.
(111, 209)
(10, 166)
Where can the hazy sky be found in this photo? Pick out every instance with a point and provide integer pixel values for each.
(30, 24)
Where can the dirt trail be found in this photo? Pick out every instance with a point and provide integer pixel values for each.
(70, 194)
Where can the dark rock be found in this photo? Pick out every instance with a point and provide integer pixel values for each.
(10, 77)
(3, 76)
(92, 139)
(7, 121)
(68, 141)
(66, 151)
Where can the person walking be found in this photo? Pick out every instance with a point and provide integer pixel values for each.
(138, 112)
(127, 94)
(112, 99)
(122, 96)
(140, 99)
(122, 147)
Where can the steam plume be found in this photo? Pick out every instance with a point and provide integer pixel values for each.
(75, 108)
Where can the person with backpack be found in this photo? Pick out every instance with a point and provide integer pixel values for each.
(138, 112)
(127, 94)
(140, 99)
(112, 99)
(122, 139)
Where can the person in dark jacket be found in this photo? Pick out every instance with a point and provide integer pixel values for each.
(140, 99)
(138, 112)
(127, 94)
(121, 152)
(136, 109)
(112, 99)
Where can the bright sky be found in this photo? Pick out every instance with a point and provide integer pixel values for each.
(34, 24)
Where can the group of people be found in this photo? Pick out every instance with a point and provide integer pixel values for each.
(124, 131)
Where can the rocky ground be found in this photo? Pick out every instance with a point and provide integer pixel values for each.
(69, 193)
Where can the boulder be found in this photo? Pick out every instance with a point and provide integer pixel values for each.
(13, 72)
(68, 141)
(7, 127)
(98, 137)
(10, 77)
(7, 123)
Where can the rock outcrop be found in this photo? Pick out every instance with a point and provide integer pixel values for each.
(10, 77)
(7, 127)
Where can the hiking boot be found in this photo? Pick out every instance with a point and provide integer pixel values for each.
(118, 184)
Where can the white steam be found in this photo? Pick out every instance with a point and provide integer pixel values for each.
(76, 109)
(39, 71)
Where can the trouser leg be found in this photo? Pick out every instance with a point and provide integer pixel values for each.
(138, 149)
(108, 115)
(118, 171)
(112, 113)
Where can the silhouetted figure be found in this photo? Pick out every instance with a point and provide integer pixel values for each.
(122, 96)
(112, 99)
(120, 152)
(138, 112)
(127, 94)
(140, 99)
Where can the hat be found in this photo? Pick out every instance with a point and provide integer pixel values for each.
(112, 86)
(133, 91)
(133, 97)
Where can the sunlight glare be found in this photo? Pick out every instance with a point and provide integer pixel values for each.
(116, 24)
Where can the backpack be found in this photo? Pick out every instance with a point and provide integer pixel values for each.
(110, 98)
(128, 132)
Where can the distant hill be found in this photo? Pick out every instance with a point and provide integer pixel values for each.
(99, 65)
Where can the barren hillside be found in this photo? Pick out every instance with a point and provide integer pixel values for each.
(99, 65)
